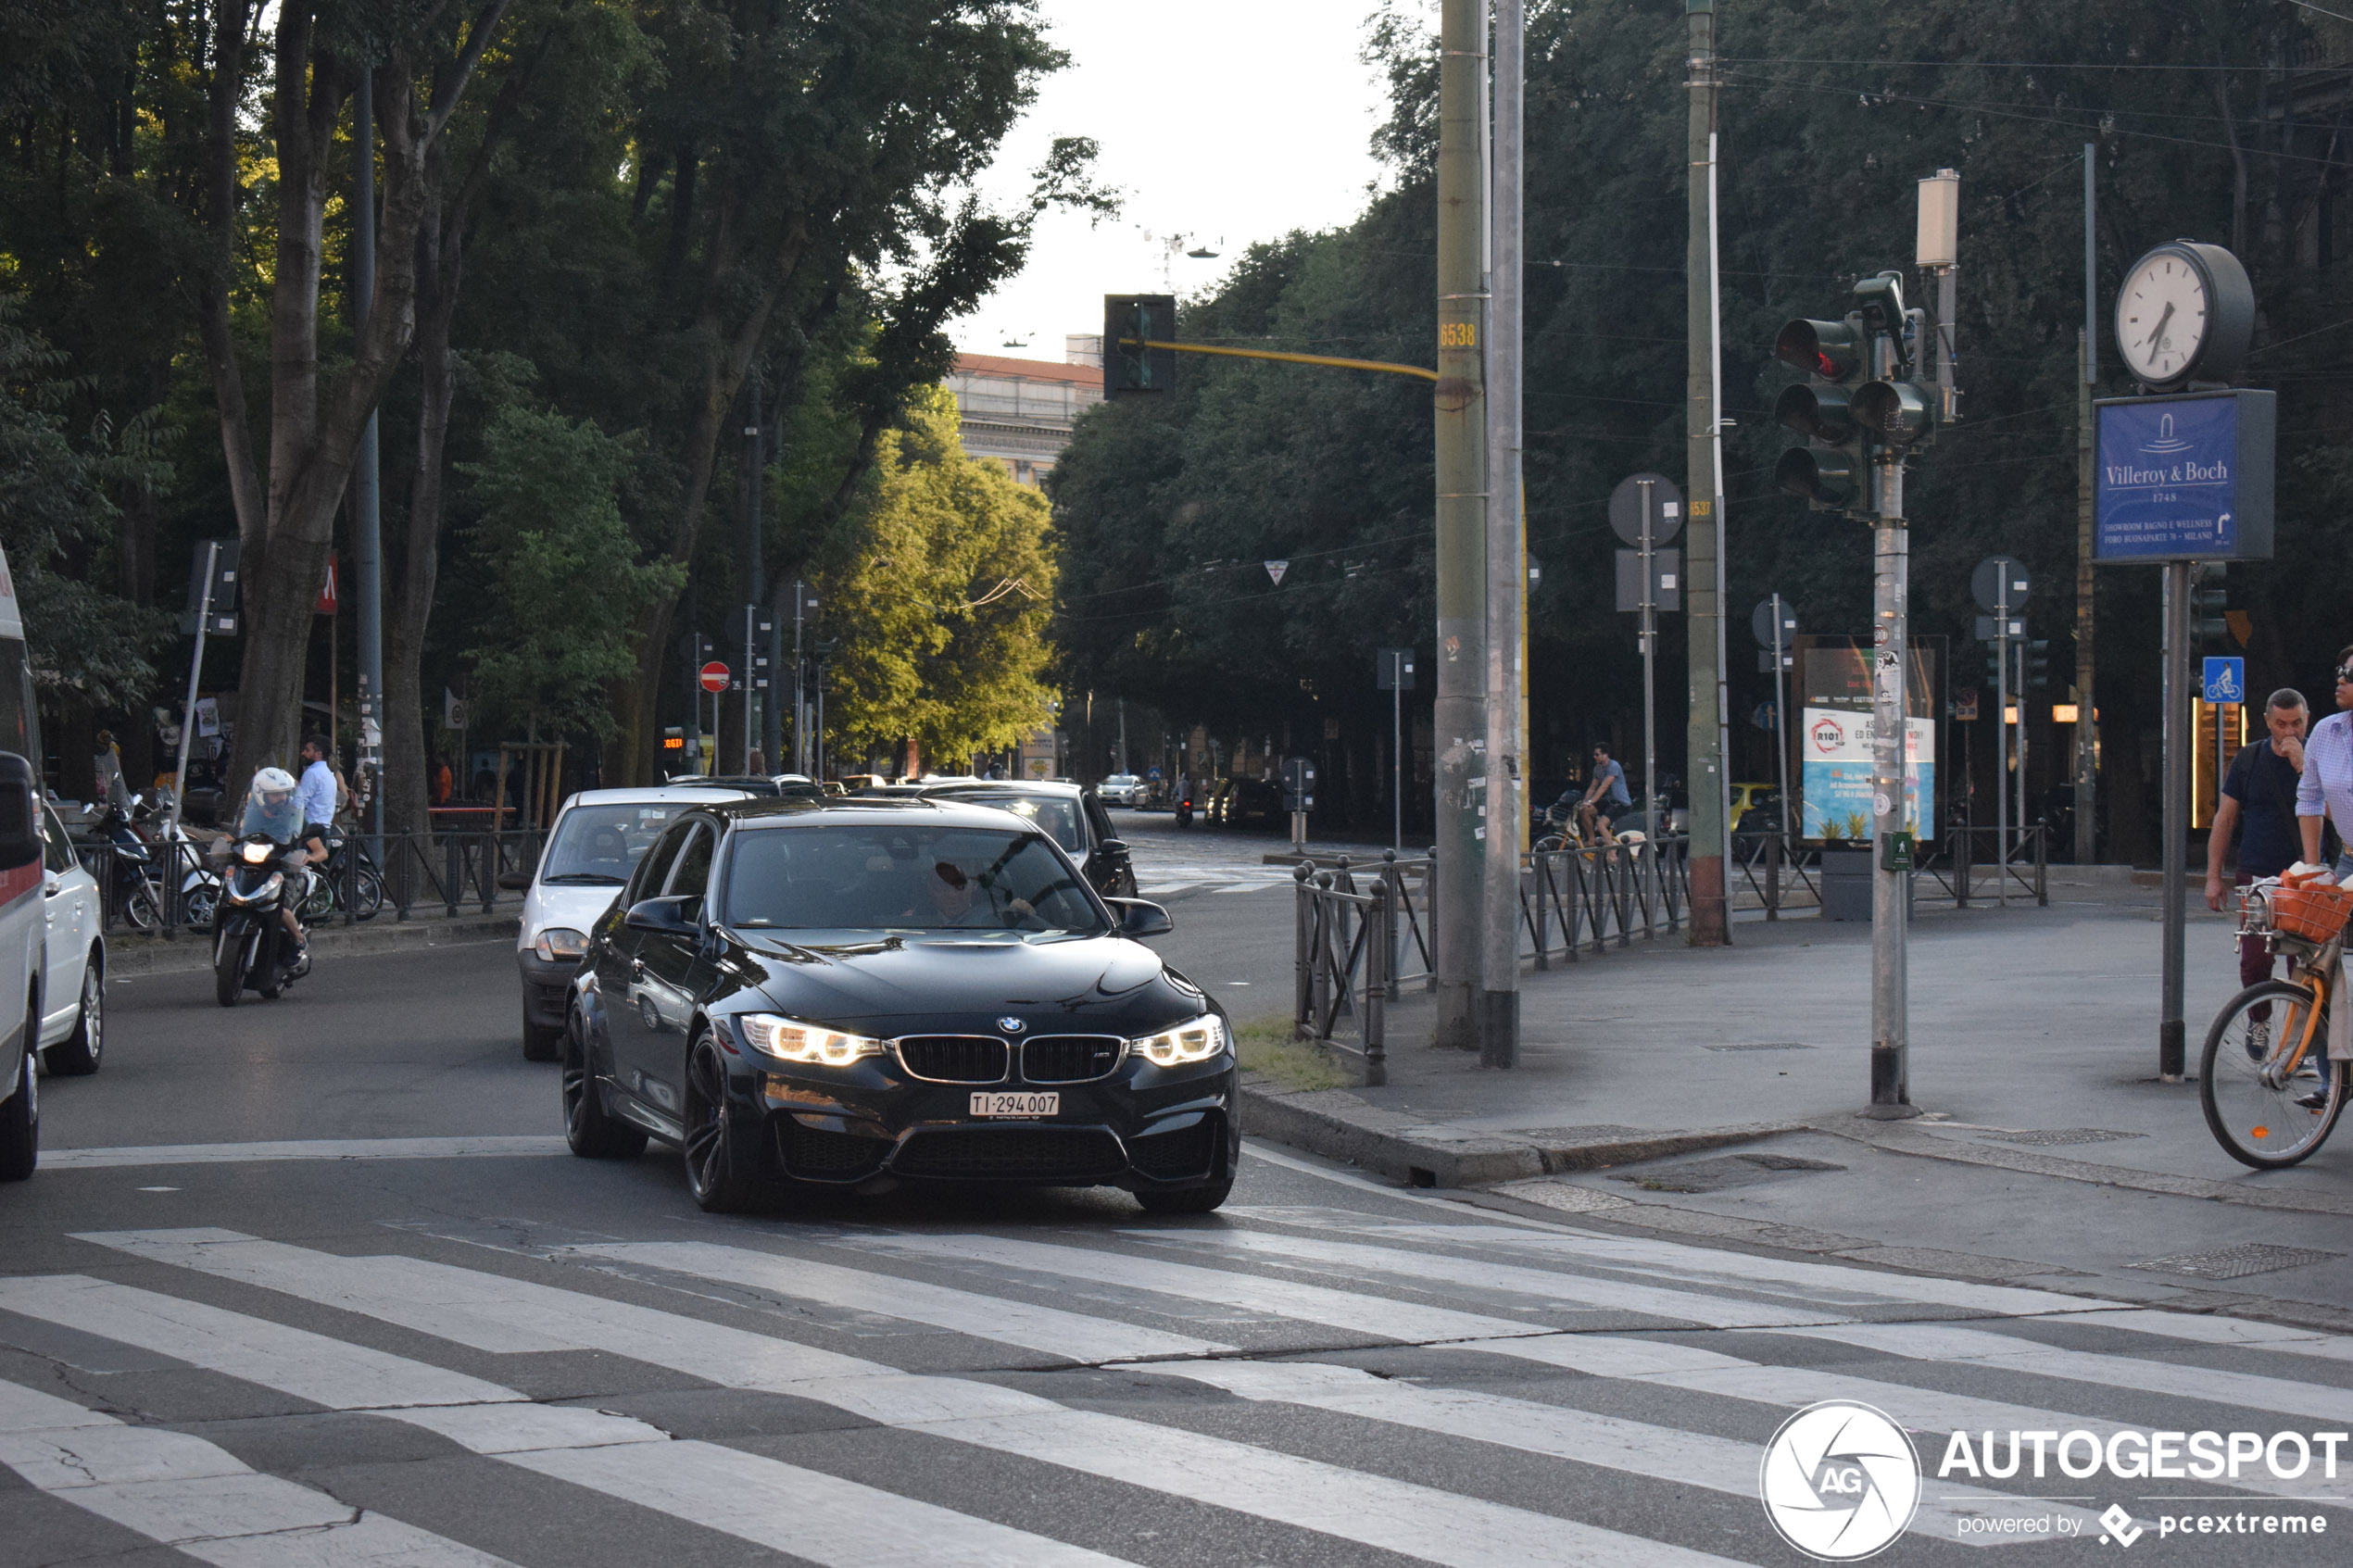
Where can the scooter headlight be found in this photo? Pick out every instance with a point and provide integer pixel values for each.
(253, 854)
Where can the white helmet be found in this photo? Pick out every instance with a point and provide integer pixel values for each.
(270, 806)
(271, 783)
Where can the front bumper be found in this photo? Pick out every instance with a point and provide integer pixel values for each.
(546, 987)
(1142, 1128)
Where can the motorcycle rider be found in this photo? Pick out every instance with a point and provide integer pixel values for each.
(271, 809)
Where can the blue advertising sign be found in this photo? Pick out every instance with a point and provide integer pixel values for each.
(2225, 680)
(2184, 477)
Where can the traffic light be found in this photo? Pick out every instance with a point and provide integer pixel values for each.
(2038, 663)
(1994, 664)
(1893, 411)
(1131, 320)
(1829, 471)
(2209, 607)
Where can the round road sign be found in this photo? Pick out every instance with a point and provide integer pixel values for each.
(715, 676)
(1626, 508)
(1987, 580)
(1761, 623)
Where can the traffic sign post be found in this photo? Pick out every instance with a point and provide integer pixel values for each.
(1774, 626)
(1395, 674)
(1646, 511)
(2225, 680)
(2000, 586)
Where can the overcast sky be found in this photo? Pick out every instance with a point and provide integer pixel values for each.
(1221, 120)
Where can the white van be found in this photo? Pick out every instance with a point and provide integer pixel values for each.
(22, 926)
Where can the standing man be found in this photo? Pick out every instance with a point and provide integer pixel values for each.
(316, 794)
(2258, 800)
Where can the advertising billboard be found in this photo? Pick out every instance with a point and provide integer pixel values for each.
(2184, 477)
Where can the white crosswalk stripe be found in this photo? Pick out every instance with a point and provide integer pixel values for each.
(1520, 1300)
(198, 1498)
(461, 1305)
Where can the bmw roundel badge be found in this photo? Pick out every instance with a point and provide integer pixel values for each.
(1012, 1026)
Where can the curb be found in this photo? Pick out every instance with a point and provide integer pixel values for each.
(1340, 1125)
(193, 952)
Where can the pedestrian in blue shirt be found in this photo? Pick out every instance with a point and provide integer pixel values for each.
(316, 794)
(2258, 801)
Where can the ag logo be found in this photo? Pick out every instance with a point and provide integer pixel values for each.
(1840, 1481)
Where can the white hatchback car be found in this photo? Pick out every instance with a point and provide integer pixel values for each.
(1122, 789)
(73, 981)
(598, 837)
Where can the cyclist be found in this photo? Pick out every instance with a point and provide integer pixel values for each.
(2324, 789)
(1606, 799)
(2259, 790)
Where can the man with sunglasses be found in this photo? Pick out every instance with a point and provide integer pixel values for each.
(2324, 792)
(2259, 792)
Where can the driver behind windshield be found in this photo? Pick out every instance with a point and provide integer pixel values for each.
(960, 895)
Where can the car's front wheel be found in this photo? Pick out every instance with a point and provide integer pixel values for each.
(20, 1119)
(723, 1167)
(1191, 1201)
(593, 1133)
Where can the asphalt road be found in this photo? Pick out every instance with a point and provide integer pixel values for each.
(306, 1344)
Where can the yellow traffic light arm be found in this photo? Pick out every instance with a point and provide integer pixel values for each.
(1382, 365)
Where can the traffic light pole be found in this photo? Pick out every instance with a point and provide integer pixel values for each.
(1459, 406)
(2170, 1043)
(1704, 774)
(2002, 742)
(1890, 884)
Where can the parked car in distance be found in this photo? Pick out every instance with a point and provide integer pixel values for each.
(1122, 789)
(598, 837)
(1071, 814)
(73, 977)
(873, 992)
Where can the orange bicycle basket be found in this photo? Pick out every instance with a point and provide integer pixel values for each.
(2317, 914)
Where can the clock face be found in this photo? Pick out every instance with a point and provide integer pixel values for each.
(2161, 317)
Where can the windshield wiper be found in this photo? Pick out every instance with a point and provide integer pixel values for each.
(597, 878)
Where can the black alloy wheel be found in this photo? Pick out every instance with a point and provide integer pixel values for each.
(21, 1115)
(77, 1055)
(722, 1179)
(592, 1132)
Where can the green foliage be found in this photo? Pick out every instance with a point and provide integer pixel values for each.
(940, 586)
(54, 505)
(558, 562)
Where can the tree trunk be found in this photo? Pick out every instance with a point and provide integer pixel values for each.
(411, 721)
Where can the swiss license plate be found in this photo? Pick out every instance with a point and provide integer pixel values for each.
(1016, 1105)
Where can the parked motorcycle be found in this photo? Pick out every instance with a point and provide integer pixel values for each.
(133, 882)
(199, 886)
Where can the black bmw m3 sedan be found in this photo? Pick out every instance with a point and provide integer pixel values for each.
(865, 993)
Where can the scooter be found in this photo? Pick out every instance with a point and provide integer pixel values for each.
(199, 887)
(136, 884)
(251, 950)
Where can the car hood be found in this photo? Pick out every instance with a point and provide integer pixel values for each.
(901, 981)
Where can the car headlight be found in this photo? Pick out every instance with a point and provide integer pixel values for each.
(790, 1039)
(560, 942)
(1197, 1040)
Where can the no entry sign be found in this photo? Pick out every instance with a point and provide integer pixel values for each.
(715, 676)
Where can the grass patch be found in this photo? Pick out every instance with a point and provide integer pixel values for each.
(1266, 1046)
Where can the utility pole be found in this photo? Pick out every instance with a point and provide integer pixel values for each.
(2087, 355)
(1506, 572)
(1460, 410)
(800, 699)
(1703, 771)
(1891, 872)
(2180, 732)
(756, 580)
(366, 533)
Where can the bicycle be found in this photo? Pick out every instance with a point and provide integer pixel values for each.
(2270, 1093)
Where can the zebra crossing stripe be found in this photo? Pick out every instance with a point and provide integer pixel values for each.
(1070, 1335)
(1976, 1347)
(1695, 1265)
(199, 1498)
(815, 1517)
(1582, 1436)
(2240, 1334)
(1400, 1516)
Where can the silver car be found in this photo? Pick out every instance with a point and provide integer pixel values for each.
(1122, 789)
(597, 842)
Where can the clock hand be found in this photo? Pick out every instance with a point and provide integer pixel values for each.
(2158, 331)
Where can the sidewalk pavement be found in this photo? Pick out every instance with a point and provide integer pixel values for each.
(1717, 1093)
(131, 953)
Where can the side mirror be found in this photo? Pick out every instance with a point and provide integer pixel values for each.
(1112, 846)
(515, 879)
(20, 812)
(1139, 918)
(661, 914)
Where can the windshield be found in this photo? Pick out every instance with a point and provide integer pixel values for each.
(601, 845)
(280, 819)
(886, 875)
(1058, 818)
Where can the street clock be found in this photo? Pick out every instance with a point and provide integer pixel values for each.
(2184, 314)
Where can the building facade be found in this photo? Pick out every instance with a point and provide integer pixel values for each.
(1019, 413)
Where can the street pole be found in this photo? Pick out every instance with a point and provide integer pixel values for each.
(366, 533)
(2002, 742)
(1459, 408)
(1704, 781)
(756, 703)
(2087, 356)
(1650, 663)
(195, 672)
(1397, 750)
(1506, 565)
(1780, 728)
(800, 694)
(1891, 888)
(1716, 467)
(750, 733)
(2020, 751)
(2178, 732)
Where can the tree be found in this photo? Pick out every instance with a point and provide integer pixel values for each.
(943, 579)
(558, 560)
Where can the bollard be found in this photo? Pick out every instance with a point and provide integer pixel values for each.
(1302, 932)
(1773, 875)
(1381, 924)
(450, 852)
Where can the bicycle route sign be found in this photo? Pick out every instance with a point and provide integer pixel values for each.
(2225, 680)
